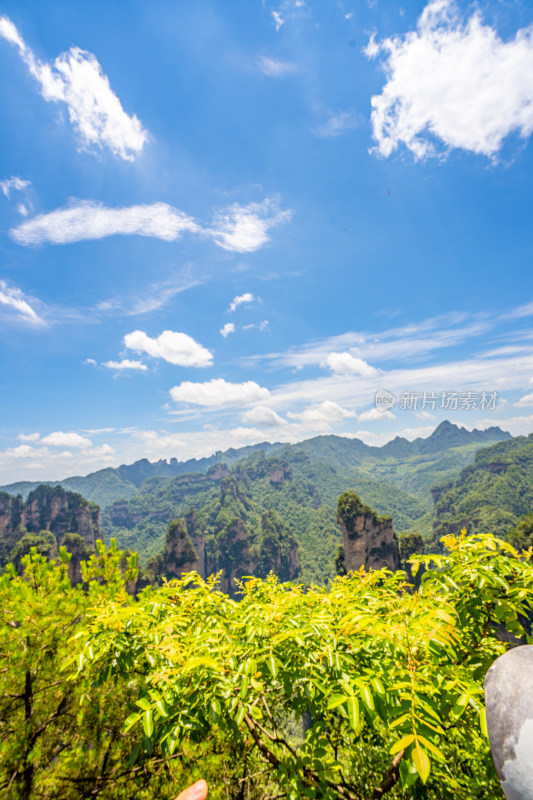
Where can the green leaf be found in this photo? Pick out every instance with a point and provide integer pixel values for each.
(352, 705)
(336, 700)
(144, 703)
(130, 721)
(402, 743)
(148, 723)
(368, 700)
(483, 723)
(161, 707)
(273, 666)
(421, 762)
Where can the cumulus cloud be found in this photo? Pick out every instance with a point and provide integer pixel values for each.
(126, 363)
(274, 68)
(62, 439)
(337, 123)
(263, 417)
(12, 297)
(76, 79)
(247, 297)
(28, 437)
(322, 415)
(176, 348)
(88, 220)
(346, 364)
(525, 401)
(218, 392)
(228, 328)
(13, 183)
(375, 414)
(243, 229)
(452, 83)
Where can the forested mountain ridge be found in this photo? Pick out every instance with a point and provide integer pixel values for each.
(48, 518)
(108, 485)
(491, 494)
(302, 483)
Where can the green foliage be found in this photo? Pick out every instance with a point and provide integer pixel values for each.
(410, 544)
(521, 536)
(492, 494)
(44, 543)
(381, 674)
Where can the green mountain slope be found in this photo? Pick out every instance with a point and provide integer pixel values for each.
(490, 495)
(302, 483)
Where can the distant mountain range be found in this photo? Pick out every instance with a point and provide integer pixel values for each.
(105, 486)
(301, 484)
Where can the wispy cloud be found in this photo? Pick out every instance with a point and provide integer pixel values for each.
(243, 229)
(236, 228)
(152, 297)
(241, 299)
(338, 123)
(88, 220)
(452, 83)
(125, 364)
(274, 68)
(13, 298)
(76, 79)
(13, 184)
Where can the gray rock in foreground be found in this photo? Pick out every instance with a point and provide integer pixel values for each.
(509, 709)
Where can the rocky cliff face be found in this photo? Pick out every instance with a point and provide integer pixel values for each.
(369, 541)
(47, 509)
(235, 539)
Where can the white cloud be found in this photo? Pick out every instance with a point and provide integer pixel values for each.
(13, 183)
(88, 220)
(337, 123)
(278, 19)
(452, 84)
(126, 363)
(375, 414)
(22, 209)
(91, 361)
(526, 401)
(275, 69)
(62, 439)
(322, 415)
(263, 417)
(346, 364)
(218, 392)
(228, 328)
(247, 297)
(76, 79)
(176, 348)
(379, 439)
(243, 229)
(28, 437)
(14, 298)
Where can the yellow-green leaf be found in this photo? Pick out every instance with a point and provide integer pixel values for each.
(421, 762)
(336, 700)
(352, 705)
(402, 743)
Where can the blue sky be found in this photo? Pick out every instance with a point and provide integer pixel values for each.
(225, 223)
